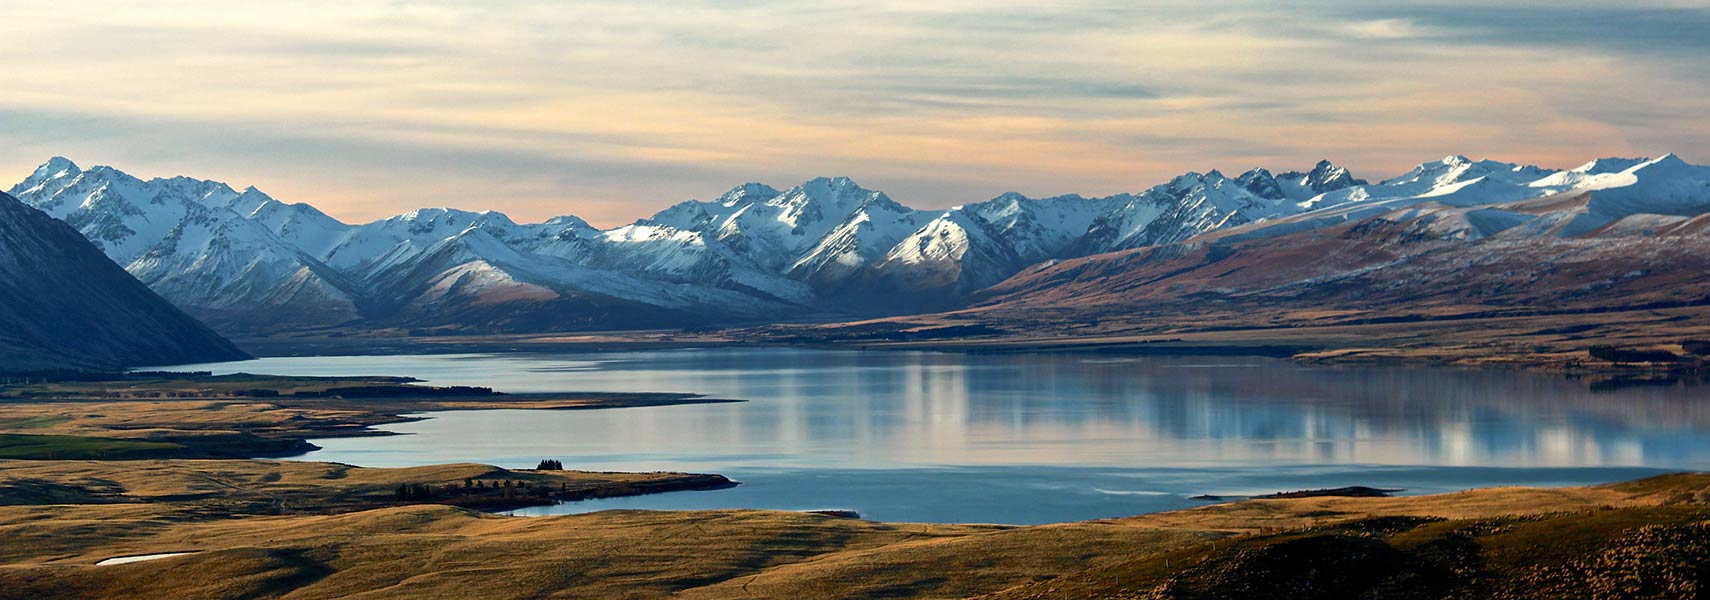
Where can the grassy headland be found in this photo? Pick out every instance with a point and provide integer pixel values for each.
(164, 415)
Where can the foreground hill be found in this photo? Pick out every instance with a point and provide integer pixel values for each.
(65, 305)
(1645, 539)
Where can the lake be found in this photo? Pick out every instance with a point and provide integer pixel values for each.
(1028, 438)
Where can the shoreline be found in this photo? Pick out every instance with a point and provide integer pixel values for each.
(1508, 538)
(243, 416)
(1535, 341)
(1258, 347)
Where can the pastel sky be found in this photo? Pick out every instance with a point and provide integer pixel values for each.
(613, 109)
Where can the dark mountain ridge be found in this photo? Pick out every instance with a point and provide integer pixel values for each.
(65, 306)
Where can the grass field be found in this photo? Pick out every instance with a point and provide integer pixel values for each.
(68, 447)
(1639, 540)
(33, 422)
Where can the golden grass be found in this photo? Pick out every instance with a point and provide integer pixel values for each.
(445, 552)
(277, 487)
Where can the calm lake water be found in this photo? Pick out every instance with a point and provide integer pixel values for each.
(1029, 438)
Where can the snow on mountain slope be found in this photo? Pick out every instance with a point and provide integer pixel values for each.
(402, 236)
(1451, 236)
(956, 253)
(696, 215)
(1187, 206)
(121, 214)
(307, 228)
(687, 257)
(1665, 186)
(178, 236)
(970, 247)
(1562, 204)
(1297, 186)
(1041, 229)
(867, 233)
(815, 230)
(1442, 179)
(478, 282)
(824, 244)
(1450, 181)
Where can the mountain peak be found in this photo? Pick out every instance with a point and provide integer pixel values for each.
(1669, 159)
(1327, 176)
(1261, 183)
(1609, 165)
(57, 165)
(839, 183)
(751, 191)
(55, 168)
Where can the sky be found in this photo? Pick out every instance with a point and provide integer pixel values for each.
(612, 110)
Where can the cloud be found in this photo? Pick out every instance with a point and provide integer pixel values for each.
(1384, 29)
(1627, 28)
(613, 109)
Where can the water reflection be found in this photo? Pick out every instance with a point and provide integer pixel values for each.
(831, 412)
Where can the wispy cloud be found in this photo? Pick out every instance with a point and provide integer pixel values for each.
(1384, 29)
(611, 109)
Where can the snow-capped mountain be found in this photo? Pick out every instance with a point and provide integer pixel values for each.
(1492, 197)
(819, 232)
(182, 238)
(1450, 237)
(970, 247)
(1297, 186)
(243, 259)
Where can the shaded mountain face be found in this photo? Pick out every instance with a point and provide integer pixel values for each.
(827, 248)
(185, 239)
(65, 306)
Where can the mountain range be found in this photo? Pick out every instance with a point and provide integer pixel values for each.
(828, 248)
(1452, 239)
(65, 306)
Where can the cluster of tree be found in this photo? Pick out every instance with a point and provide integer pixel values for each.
(167, 374)
(399, 391)
(550, 464)
(473, 487)
(166, 394)
(1698, 347)
(1624, 355)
